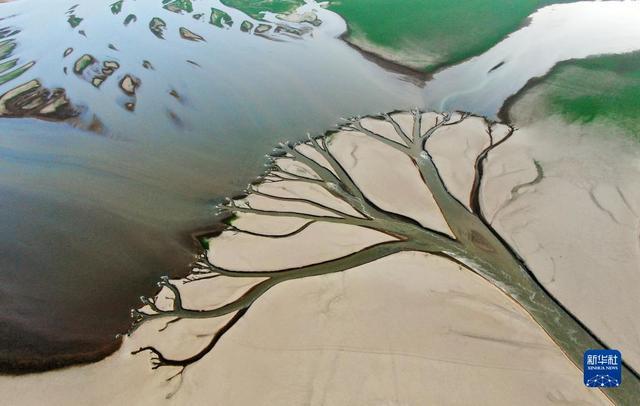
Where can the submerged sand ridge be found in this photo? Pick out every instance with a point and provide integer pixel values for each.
(323, 290)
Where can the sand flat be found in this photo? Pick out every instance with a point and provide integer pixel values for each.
(454, 150)
(408, 329)
(578, 227)
(317, 243)
(396, 187)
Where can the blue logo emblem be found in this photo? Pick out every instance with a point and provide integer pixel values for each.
(602, 368)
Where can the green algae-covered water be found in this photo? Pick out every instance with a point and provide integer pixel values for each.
(605, 88)
(455, 30)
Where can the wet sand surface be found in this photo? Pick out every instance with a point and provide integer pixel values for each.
(95, 209)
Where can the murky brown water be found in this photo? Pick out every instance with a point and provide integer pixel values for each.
(94, 209)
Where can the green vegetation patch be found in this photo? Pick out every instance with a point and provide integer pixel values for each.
(219, 18)
(5, 66)
(229, 220)
(116, 7)
(131, 18)
(603, 87)
(83, 63)
(256, 8)
(157, 26)
(74, 20)
(427, 34)
(246, 26)
(178, 6)
(7, 47)
(6, 73)
(6, 77)
(204, 242)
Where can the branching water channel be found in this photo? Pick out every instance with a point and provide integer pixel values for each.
(166, 108)
(471, 241)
